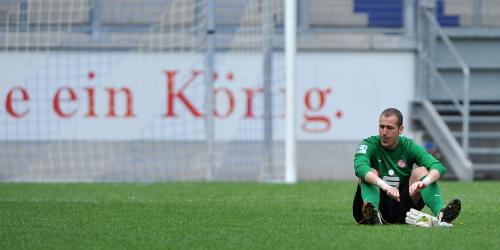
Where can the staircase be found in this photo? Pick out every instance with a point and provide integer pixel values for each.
(484, 135)
(480, 50)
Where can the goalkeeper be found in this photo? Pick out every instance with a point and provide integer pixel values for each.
(388, 184)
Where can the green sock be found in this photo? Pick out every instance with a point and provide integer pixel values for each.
(432, 198)
(370, 193)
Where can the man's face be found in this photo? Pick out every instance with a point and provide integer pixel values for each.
(389, 131)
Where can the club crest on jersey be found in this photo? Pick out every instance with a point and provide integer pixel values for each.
(401, 164)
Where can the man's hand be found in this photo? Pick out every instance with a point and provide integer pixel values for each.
(417, 187)
(393, 193)
(389, 190)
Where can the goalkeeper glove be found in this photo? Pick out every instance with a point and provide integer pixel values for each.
(421, 219)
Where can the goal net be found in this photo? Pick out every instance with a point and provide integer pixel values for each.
(120, 90)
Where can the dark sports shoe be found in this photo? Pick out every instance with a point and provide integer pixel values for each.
(450, 211)
(371, 214)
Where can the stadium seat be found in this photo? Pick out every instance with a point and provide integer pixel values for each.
(243, 13)
(45, 12)
(463, 10)
(335, 13)
(9, 12)
(381, 13)
(491, 13)
(59, 11)
(157, 12)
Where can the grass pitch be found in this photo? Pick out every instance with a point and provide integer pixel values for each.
(310, 215)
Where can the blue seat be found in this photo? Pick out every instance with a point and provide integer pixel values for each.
(381, 13)
(389, 13)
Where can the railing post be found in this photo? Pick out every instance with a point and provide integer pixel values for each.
(464, 109)
(425, 48)
(96, 18)
(409, 18)
(209, 70)
(466, 113)
(303, 18)
(476, 16)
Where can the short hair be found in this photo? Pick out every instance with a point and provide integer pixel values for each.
(393, 111)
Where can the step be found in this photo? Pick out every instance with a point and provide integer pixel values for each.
(486, 166)
(473, 33)
(493, 102)
(472, 67)
(472, 119)
(484, 151)
(472, 108)
(479, 135)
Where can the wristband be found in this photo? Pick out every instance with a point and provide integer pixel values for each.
(381, 184)
(426, 181)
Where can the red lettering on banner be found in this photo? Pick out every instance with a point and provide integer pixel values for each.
(230, 76)
(249, 94)
(111, 102)
(225, 98)
(9, 102)
(91, 97)
(322, 120)
(57, 101)
(91, 103)
(171, 94)
(230, 100)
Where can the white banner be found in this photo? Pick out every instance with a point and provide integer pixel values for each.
(147, 96)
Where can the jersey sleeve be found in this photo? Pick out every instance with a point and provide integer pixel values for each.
(424, 159)
(362, 158)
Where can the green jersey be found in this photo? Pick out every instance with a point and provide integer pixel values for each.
(393, 166)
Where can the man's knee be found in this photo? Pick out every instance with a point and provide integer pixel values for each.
(417, 174)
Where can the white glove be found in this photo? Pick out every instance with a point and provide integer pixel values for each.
(421, 219)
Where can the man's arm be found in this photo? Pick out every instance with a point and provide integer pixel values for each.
(365, 172)
(372, 178)
(431, 177)
(435, 167)
(424, 159)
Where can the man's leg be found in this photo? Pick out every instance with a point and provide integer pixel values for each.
(370, 193)
(357, 205)
(365, 204)
(399, 209)
(371, 202)
(431, 194)
(450, 211)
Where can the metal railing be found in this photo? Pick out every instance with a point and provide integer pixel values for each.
(463, 108)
